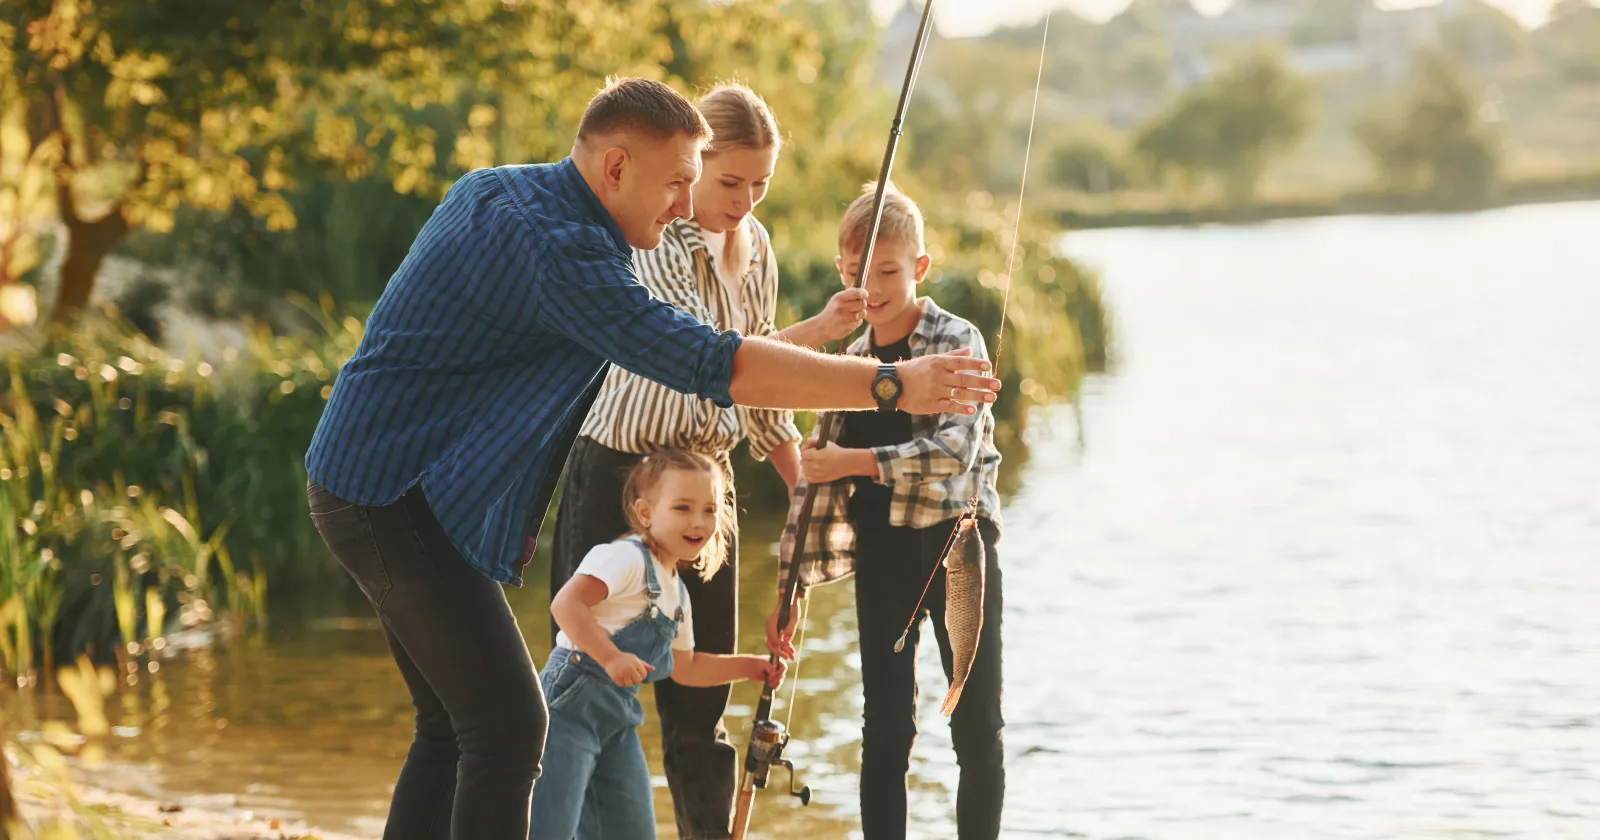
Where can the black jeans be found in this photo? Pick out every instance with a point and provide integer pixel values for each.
(480, 712)
(700, 763)
(891, 566)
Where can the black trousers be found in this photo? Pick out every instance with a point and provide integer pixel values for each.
(480, 713)
(700, 762)
(891, 566)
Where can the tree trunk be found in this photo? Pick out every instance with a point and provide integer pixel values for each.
(88, 243)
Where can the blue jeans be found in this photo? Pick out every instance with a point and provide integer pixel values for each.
(598, 785)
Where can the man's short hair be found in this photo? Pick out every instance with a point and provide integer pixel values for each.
(642, 105)
(901, 221)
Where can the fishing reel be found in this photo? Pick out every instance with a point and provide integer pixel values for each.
(767, 741)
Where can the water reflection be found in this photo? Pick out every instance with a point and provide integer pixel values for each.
(1327, 567)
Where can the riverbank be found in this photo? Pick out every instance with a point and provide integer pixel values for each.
(1086, 212)
(105, 814)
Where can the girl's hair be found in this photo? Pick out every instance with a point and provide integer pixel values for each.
(738, 119)
(646, 476)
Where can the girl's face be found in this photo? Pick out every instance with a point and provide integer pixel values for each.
(731, 184)
(681, 513)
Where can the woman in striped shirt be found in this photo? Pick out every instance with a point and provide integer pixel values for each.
(719, 267)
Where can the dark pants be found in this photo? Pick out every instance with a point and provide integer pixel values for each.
(891, 566)
(480, 712)
(700, 763)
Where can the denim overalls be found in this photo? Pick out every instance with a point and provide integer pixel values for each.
(595, 784)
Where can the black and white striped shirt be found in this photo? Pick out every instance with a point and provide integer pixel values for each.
(634, 414)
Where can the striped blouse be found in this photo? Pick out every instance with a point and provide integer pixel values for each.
(634, 414)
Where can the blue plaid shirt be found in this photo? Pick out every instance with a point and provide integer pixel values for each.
(487, 348)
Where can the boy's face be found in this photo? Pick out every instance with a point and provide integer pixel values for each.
(897, 268)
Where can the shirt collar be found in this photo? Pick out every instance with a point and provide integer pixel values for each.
(567, 169)
(928, 325)
(926, 329)
(694, 236)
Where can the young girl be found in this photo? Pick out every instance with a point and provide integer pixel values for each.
(624, 620)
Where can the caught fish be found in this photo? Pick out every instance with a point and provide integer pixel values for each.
(963, 611)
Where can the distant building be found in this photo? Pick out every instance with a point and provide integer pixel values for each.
(1383, 44)
(898, 38)
(1389, 39)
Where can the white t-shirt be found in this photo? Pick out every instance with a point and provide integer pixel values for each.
(732, 276)
(620, 566)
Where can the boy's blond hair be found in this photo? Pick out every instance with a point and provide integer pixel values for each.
(901, 221)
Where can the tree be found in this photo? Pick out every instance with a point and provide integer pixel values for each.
(1233, 125)
(355, 223)
(1433, 138)
(1087, 158)
(192, 103)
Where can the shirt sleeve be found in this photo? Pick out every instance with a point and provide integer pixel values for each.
(685, 638)
(769, 428)
(617, 565)
(592, 296)
(956, 440)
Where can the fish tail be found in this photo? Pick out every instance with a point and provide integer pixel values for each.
(951, 698)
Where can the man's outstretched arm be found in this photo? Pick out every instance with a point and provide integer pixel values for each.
(774, 374)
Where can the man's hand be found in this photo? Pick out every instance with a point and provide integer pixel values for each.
(625, 669)
(842, 314)
(942, 385)
(831, 463)
(778, 642)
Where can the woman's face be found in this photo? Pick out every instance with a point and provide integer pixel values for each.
(731, 184)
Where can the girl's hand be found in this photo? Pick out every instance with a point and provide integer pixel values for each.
(843, 313)
(831, 463)
(765, 670)
(625, 669)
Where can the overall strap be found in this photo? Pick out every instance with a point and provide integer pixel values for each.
(652, 585)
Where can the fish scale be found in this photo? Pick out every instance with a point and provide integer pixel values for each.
(963, 612)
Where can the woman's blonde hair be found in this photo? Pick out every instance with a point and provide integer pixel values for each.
(738, 119)
(642, 482)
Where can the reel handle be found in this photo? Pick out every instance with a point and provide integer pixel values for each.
(804, 793)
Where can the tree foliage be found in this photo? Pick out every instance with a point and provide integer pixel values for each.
(1230, 127)
(1433, 138)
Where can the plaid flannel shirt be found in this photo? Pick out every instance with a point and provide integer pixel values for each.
(933, 476)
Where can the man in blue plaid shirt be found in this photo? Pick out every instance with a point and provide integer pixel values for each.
(434, 462)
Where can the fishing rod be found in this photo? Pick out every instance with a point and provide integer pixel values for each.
(768, 738)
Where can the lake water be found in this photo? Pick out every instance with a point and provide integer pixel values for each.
(1320, 558)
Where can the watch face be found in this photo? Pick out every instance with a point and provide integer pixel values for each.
(886, 389)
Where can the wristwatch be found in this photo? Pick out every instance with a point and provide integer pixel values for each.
(886, 388)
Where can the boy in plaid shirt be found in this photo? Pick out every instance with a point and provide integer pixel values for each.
(888, 495)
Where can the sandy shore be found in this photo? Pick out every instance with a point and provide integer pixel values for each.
(43, 801)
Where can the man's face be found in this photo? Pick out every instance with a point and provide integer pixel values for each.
(648, 181)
